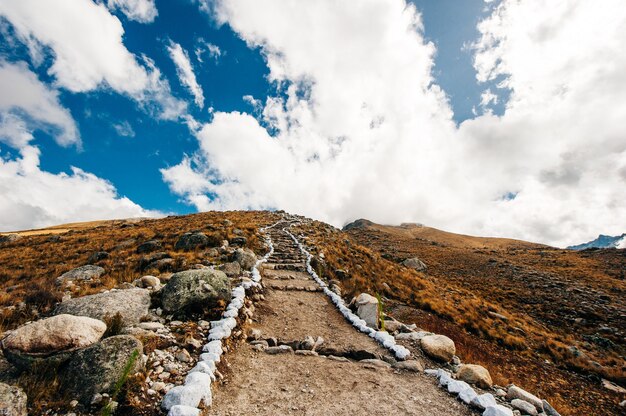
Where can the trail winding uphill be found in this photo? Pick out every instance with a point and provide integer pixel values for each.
(348, 372)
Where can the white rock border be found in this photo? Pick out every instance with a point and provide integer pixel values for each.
(383, 337)
(183, 400)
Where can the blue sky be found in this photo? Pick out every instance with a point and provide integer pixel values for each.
(307, 105)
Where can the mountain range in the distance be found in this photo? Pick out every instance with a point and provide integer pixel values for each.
(603, 241)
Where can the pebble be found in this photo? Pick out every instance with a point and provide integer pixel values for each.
(183, 355)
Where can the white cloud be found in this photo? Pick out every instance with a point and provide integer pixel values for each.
(124, 129)
(185, 72)
(86, 42)
(32, 198)
(27, 104)
(205, 47)
(362, 130)
(143, 11)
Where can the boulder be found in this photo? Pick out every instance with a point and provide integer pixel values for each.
(195, 286)
(51, 339)
(524, 407)
(551, 411)
(245, 257)
(192, 241)
(414, 263)
(238, 241)
(150, 282)
(131, 304)
(97, 256)
(147, 262)
(515, 392)
(232, 269)
(88, 273)
(13, 401)
(367, 309)
(439, 347)
(9, 238)
(149, 246)
(96, 370)
(475, 374)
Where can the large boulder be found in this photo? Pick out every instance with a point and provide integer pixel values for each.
(51, 339)
(13, 401)
(192, 241)
(193, 287)
(9, 238)
(131, 304)
(414, 263)
(475, 374)
(96, 370)
(367, 309)
(439, 347)
(245, 257)
(515, 392)
(82, 274)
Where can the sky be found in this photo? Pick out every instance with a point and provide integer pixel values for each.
(495, 118)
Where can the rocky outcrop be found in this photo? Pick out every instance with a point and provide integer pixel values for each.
(82, 274)
(149, 246)
(13, 401)
(367, 309)
(195, 286)
(414, 263)
(192, 241)
(475, 374)
(96, 370)
(439, 347)
(245, 257)
(131, 304)
(51, 338)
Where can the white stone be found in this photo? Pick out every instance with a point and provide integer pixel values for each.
(483, 401)
(367, 309)
(457, 386)
(497, 410)
(179, 410)
(467, 395)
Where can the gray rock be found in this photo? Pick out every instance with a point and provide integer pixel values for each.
(51, 339)
(96, 369)
(524, 407)
(483, 401)
(245, 257)
(515, 392)
(88, 273)
(367, 309)
(475, 374)
(375, 362)
(497, 410)
(551, 411)
(414, 263)
(195, 286)
(13, 401)
(148, 261)
(131, 304)
(192, 241)
(238, 241)
(281, 349)
(306, 353)
(438, 347)
(307, 343)
(150, 282)
(232, 269)
(97, 256)
(9, 238)
(149, 246)
(413, 336)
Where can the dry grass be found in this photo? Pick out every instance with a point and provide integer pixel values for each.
(516, 345)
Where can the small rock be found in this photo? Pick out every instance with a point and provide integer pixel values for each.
(483, 401)
(551, 411)
(524, 407)
(86, 273)
(183, 356)
(308, 343)
(438, 347)
(475, 374)
(497, 410)
(272, 342)
(150, 282)
(149, 247)
(414, 263)
(192, 241)
(281, 349)
(245, 257)
(515, 392)
(254, 334)
(306, 353)
(367, 309)
(232, 269)
(410, 365)
(97, 256)
(340, 359)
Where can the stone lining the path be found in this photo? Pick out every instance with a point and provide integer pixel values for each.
(184, 400)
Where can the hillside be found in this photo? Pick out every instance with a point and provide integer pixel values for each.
(551, 321)
(561, 311)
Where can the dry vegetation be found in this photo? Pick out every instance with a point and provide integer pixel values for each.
(515, 307)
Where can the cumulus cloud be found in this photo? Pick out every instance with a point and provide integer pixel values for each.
(209, 48)
(88, 50)
(358, 128)
(185, 72)
(33, 198)
(27, 104)
(143, 11)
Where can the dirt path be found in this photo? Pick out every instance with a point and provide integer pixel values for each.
(331, 383)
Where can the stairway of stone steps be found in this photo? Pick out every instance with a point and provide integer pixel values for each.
(347, 372)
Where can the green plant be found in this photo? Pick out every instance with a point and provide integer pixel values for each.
(381, 311)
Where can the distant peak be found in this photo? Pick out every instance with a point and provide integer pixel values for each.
(603, 241)
(360, 223)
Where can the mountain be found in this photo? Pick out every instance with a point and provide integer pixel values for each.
(603, 241)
